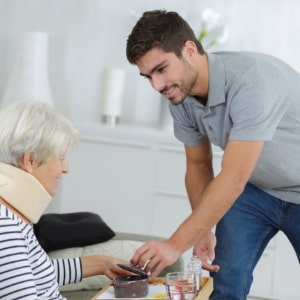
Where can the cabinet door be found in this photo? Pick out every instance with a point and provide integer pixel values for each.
(170, 170)
(287, 272)
(278, 272)
(170, 204)
(169, 211)
(114, 180)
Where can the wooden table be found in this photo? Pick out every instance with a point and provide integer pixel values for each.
(205, 292)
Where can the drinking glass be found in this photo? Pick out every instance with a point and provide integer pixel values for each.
(181, 286)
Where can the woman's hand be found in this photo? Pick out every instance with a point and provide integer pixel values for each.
(102, 265)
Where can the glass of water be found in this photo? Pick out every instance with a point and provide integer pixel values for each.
(181, 286)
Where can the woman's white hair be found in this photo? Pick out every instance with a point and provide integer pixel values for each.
(34, 127)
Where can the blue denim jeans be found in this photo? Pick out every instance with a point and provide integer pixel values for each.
(243, 234)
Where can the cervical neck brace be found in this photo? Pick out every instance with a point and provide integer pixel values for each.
(23, 192)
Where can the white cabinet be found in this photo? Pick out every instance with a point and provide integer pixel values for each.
(134, 178)
(286, 283)
(277, 274)
(263, 273)
(170, 203)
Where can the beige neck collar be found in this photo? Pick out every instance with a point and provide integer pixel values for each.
(23, 192)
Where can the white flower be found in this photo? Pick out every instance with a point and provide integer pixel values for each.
(210, 18)
(212, 30)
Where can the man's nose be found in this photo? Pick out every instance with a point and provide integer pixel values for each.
(158, 83)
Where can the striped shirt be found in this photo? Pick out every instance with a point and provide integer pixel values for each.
(26, 271)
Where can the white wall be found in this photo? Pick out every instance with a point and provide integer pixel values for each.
(88, 35)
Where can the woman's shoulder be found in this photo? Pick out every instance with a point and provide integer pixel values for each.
(10, 221)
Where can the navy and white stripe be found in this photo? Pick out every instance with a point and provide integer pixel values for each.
(26, 271)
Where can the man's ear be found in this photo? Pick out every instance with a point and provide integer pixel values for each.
(191, 48)
(27, 162)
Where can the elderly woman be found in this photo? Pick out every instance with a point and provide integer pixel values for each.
(35, 140)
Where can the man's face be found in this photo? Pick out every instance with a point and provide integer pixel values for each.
(170, 75)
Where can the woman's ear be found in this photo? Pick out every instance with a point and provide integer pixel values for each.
(27, 162)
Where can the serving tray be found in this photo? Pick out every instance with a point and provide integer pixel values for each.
(157, 290)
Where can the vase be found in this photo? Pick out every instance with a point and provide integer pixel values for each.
(30, 79)
(112, 95)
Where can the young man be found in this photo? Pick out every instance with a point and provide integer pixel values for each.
(249, 105)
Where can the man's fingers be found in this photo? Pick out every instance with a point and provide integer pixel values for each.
(210, 268)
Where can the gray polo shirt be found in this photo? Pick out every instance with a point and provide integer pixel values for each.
(252, 97)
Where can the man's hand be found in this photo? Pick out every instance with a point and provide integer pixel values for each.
(154, 256)
(205, 251)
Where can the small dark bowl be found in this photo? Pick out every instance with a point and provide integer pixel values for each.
(132, 286)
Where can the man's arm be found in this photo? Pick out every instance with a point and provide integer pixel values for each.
(199, 171)
(238, 163)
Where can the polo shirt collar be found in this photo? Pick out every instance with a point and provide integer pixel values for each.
(216, 89)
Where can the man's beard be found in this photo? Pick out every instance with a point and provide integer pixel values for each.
(188, 82)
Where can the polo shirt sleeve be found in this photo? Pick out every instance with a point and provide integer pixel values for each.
(258, 107)
(184, 129)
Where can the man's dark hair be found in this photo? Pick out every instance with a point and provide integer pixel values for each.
(159, 28)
